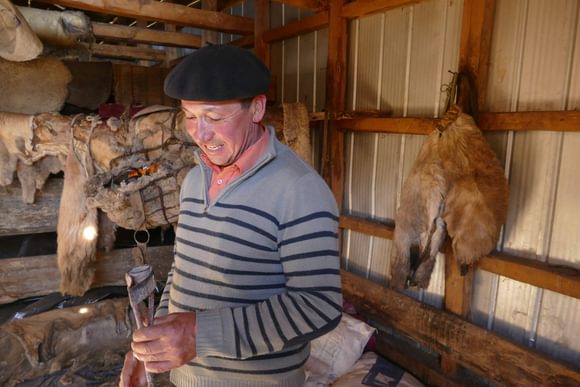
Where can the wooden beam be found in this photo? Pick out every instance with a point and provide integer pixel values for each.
(557, 278)
(261, 26)
(119, 33)
(37, 276)
(165, 13)
(414, 360)
(308, 24)
(312, 5)
(482, 351)
(336, 77)
(561, 279)
(126, 52)
(367, 226)
(360, 8)
(565, 121)
(209, 36)
(21, 218)
(388, 125)
(475, 45)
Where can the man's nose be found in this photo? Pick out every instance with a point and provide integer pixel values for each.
(204, 131)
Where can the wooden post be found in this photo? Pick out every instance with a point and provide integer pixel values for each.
(473, 57)
(333, 162)
(208, 36)
(261, 26)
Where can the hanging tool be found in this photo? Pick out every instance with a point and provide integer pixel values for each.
(140, 287)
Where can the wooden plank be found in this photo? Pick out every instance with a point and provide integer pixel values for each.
(415, 361)
(118, 33)
(366, 226)
(209, 36)
(458, 287)
(388, 125)
(164, 12)
(475, 45)
(21, 218)
(308, 24)
(336, 78)
(126, 52)
(482, 351)
(561, 279)
(473, 58)
(565, 121)
(360, 8)
(312, 5)
(262, 21)
(39, 275)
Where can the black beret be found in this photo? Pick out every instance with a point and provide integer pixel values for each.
(218, 73)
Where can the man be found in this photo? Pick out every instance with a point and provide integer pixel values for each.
(256, 270)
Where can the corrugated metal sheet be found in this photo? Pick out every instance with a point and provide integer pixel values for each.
(398, 61)
(299, 63)
(534, 66)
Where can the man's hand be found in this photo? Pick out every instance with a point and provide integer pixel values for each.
(133, 373)
(168, 344)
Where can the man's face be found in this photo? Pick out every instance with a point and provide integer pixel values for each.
(223, 130)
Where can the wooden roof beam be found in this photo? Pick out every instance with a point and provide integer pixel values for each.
(164, 12)
(126, 52)
(116, 32)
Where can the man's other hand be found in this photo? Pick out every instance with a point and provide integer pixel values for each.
(168, 344)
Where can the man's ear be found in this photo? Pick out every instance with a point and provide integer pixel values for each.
(258, 108)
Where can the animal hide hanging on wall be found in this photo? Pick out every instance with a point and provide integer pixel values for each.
(129, 169)
(457, 187)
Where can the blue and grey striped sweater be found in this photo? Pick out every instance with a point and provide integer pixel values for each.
(260, 266)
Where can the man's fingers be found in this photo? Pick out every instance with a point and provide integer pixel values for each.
(133, 373)
(158, 367)
(145, 348)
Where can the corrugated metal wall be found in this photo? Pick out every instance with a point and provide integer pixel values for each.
(535, 63)
(398, 62)
(299, 68)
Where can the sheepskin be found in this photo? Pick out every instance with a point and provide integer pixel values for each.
(18, 42)
(457, 187)
(27, 88)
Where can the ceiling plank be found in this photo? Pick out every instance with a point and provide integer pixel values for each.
(126, 52)
(164, 12)
(115, 32)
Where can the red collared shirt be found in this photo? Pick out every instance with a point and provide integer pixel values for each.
(222, 176)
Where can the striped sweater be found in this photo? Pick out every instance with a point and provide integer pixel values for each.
(260, 267)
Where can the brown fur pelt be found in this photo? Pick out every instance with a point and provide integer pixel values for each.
(27, 88)
(292, 126)
(456, 186)
(75, 252)
(64, 339)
